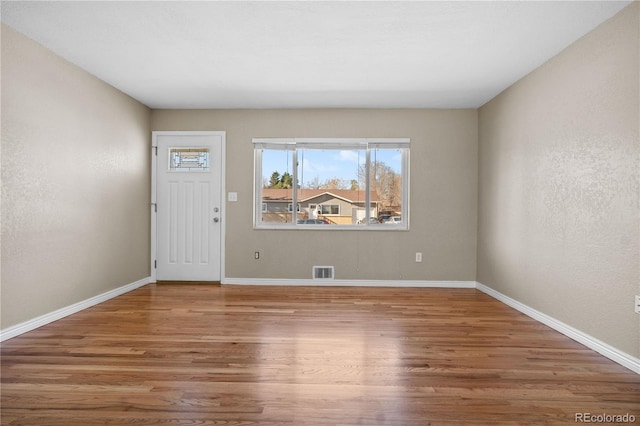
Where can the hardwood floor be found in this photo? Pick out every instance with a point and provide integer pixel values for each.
(234, 355)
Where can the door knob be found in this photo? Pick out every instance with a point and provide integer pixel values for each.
(216, 220)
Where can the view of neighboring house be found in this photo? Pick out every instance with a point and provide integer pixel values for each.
(336, 206)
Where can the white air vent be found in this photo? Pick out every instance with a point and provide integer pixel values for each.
(323, 272)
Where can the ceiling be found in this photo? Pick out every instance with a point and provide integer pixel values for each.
(308, 54)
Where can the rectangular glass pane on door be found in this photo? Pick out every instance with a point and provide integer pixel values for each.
(188, 159)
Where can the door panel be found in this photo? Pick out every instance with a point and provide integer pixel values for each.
(188, 194)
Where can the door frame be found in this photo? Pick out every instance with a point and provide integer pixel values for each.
(154, 184)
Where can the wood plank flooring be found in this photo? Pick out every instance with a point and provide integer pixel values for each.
(182, 354)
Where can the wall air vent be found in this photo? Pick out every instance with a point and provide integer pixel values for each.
(323, 272)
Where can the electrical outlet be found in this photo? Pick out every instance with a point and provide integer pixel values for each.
(256, 255)
(637, 308)
(418, 257)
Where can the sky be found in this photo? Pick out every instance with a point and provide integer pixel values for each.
(325, 164)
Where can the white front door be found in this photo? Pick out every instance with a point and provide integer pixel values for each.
(188, 205)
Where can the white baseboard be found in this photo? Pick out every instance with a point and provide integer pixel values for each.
(622, 358)
(348, 283)
(32, 324)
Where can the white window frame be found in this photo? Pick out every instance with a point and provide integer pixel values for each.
(366, 144)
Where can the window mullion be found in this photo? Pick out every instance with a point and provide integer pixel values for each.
(405, 187)
(367, 192)
(257, 187)
(294, 188)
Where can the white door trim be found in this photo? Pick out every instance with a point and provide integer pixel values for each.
(154, 177)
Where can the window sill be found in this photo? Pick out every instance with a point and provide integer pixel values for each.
(359, 228)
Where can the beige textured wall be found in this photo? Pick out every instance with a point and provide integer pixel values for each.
(559, 182)
(75, 183)
(443, 192)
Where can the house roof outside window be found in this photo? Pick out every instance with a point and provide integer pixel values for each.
(305, 195)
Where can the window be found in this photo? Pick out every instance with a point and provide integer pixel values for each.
(189, 159)
(330, 209)
(347, 183)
